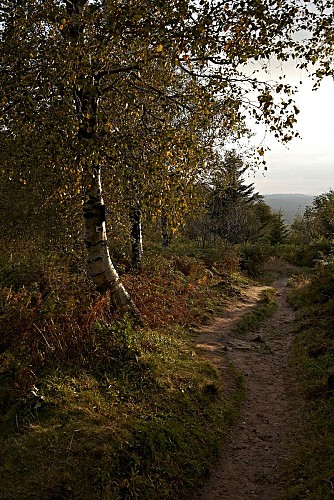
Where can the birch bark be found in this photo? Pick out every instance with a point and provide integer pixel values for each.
(102, 271)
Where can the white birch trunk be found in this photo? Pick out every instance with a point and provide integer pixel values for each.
(102, 271)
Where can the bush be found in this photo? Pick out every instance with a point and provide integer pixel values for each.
(172, 290)
(94, 408)
(253, 255)
(305, 255)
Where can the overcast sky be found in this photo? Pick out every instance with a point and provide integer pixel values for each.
(306, 165)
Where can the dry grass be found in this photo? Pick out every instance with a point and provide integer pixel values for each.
(90, 406)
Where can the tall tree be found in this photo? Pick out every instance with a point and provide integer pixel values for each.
(278, 230)
(318, 21)
(229, 196)
(93, 59)
(320, 216)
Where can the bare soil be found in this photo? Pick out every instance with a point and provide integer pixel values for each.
(258, 445)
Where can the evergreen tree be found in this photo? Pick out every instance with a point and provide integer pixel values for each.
(279, 231)
(230, 198)
(229, 184)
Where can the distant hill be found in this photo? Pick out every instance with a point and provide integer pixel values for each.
(289, 204)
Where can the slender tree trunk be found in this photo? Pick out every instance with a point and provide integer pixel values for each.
(86, 101)
(136, 236)
(102, 271)
(164, 230)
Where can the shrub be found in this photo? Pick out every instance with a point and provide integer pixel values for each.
(253, 255)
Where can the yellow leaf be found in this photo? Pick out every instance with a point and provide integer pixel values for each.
(159, 48)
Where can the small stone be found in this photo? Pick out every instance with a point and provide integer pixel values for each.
(258, 338)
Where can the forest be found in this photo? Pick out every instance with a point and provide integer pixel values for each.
(127, 224)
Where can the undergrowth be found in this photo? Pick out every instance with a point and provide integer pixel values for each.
(92, 407)
(140, 417)
(311, 471)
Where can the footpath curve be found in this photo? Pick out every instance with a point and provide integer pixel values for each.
(258, 445)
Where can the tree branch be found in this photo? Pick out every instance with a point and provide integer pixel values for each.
(115, 71)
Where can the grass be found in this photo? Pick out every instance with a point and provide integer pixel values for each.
(266, 306)
(142, 419)
(311, 470)
(94, 408)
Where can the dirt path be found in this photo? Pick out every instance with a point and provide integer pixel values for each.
(259, 444)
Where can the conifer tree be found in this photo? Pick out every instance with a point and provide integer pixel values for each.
(279, 231)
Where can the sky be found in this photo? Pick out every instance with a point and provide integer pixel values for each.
(305, 165)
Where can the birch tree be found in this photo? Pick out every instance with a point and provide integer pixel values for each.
(87, 60)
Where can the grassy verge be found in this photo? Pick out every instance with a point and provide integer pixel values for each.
(140, 418)
(266, 306)
(93, 408)
(311, 471)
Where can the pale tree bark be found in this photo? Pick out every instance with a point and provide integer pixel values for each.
(86, 100)
(102, 271)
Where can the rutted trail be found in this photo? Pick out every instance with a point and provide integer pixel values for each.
(258, 445)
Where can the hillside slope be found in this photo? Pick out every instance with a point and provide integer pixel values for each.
(289, 204)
